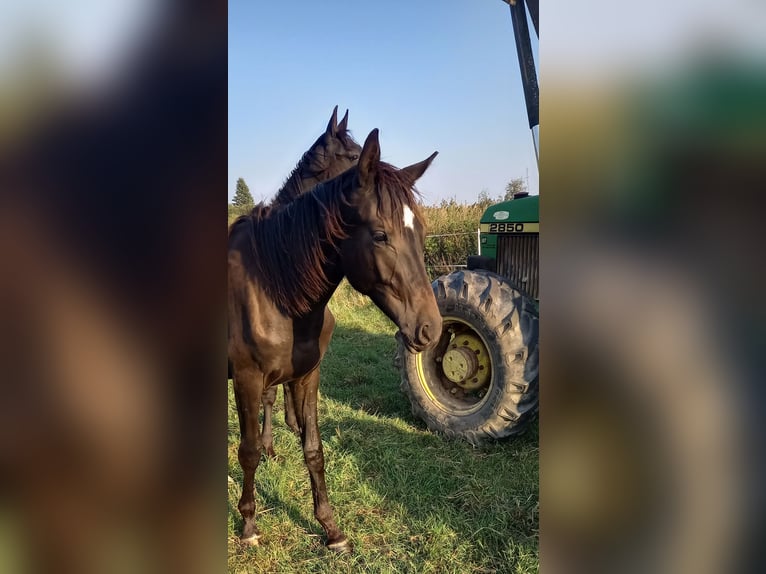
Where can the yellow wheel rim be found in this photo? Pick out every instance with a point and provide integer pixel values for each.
(456, 378)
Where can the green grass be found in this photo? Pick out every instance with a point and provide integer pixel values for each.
(409, 500)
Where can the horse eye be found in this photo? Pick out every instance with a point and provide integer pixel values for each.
(354, 157)
(379, 237)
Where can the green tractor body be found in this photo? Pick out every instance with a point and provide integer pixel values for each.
(509, 243)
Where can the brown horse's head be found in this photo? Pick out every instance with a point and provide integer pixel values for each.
(383, 257)
(334, 151)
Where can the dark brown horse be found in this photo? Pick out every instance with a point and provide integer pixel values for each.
(330, 155)
(284, 266)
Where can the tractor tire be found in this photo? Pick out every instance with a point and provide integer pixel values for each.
(481, 379)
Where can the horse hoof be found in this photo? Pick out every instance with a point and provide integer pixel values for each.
(253, 540)
(342, 546)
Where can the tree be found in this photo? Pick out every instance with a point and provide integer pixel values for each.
(242, 197)
(484, 198)
(516, 185)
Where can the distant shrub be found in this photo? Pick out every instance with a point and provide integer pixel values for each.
(456, 223)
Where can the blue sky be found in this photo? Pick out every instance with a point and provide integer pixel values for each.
(431, 75)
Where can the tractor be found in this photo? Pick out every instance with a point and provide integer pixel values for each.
(481, 380)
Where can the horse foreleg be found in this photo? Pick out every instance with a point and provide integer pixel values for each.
(304, 395)
(267, 438)
(248, 389)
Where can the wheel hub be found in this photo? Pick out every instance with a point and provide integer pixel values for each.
(459, 364)
(466, 362)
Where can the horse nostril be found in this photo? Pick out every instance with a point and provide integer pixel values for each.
(425, 334)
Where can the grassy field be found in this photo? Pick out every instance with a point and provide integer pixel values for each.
(409, 500)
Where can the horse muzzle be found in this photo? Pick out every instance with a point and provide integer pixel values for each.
(423, 336)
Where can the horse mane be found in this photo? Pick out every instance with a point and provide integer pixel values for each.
(395, 186)
(293, 186)
(291, 244)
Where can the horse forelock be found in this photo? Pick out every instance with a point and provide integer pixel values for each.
(393, 187)
(347, 138)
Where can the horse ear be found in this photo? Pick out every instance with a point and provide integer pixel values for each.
(369, 158)
(332, 127)
(416, 170)
(343, 125)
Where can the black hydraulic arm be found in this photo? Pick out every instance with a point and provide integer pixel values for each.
(526, 61)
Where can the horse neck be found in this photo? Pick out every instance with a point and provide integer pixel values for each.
(295, 186)
(296, 223)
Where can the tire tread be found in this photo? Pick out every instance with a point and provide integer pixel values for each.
(517, 401)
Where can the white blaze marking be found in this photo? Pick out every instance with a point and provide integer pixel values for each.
(408, 217)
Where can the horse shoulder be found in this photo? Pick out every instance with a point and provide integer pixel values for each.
(258, 331)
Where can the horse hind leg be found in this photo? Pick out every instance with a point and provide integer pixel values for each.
(290, 419)
(267, 438)
(248, 388)
(304, 398)
(269, 397)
